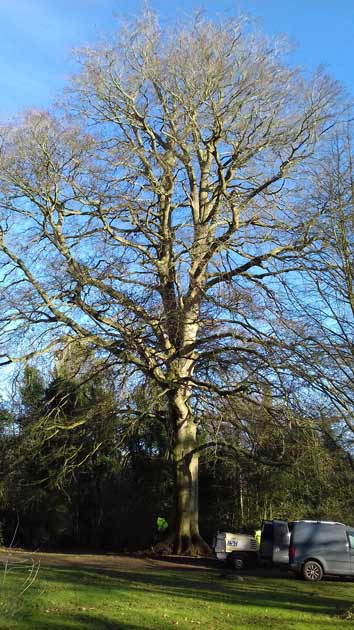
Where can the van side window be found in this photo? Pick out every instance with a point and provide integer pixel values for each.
(351, 539)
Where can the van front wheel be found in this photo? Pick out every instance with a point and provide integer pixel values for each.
(312, 571)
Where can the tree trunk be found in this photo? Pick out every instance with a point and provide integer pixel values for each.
(186, 537)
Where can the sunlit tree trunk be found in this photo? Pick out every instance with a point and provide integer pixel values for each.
(186, 536)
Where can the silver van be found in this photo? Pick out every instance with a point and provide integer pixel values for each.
(319, 548)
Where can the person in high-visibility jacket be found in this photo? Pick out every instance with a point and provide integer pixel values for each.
(161, 524)
(257, 535)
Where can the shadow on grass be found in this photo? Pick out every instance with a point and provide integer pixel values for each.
(77, 622)
(252, 591)
(195, 563)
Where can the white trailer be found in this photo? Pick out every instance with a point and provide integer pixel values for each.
(239, 550)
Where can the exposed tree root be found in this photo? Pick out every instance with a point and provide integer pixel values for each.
(174, 544)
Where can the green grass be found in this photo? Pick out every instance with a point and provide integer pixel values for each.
(156, 599)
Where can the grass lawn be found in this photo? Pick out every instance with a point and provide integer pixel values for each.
(159, 599)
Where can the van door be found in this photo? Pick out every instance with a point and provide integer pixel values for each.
(350, 535)
(281, 542)
(275, 541)
(266, 545)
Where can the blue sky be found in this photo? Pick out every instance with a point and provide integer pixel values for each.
(37, 36)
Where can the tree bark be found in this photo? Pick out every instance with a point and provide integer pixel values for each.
(186, 536)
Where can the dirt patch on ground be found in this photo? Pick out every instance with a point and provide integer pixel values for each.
(131, 563)
(113, 562)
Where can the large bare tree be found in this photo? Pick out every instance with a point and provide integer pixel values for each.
(154, 215)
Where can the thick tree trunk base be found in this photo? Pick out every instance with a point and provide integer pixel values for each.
(174, 544)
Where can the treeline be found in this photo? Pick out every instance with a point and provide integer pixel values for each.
(84, 467)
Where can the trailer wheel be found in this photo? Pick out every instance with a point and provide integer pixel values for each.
(312, 571)
(237, 560)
